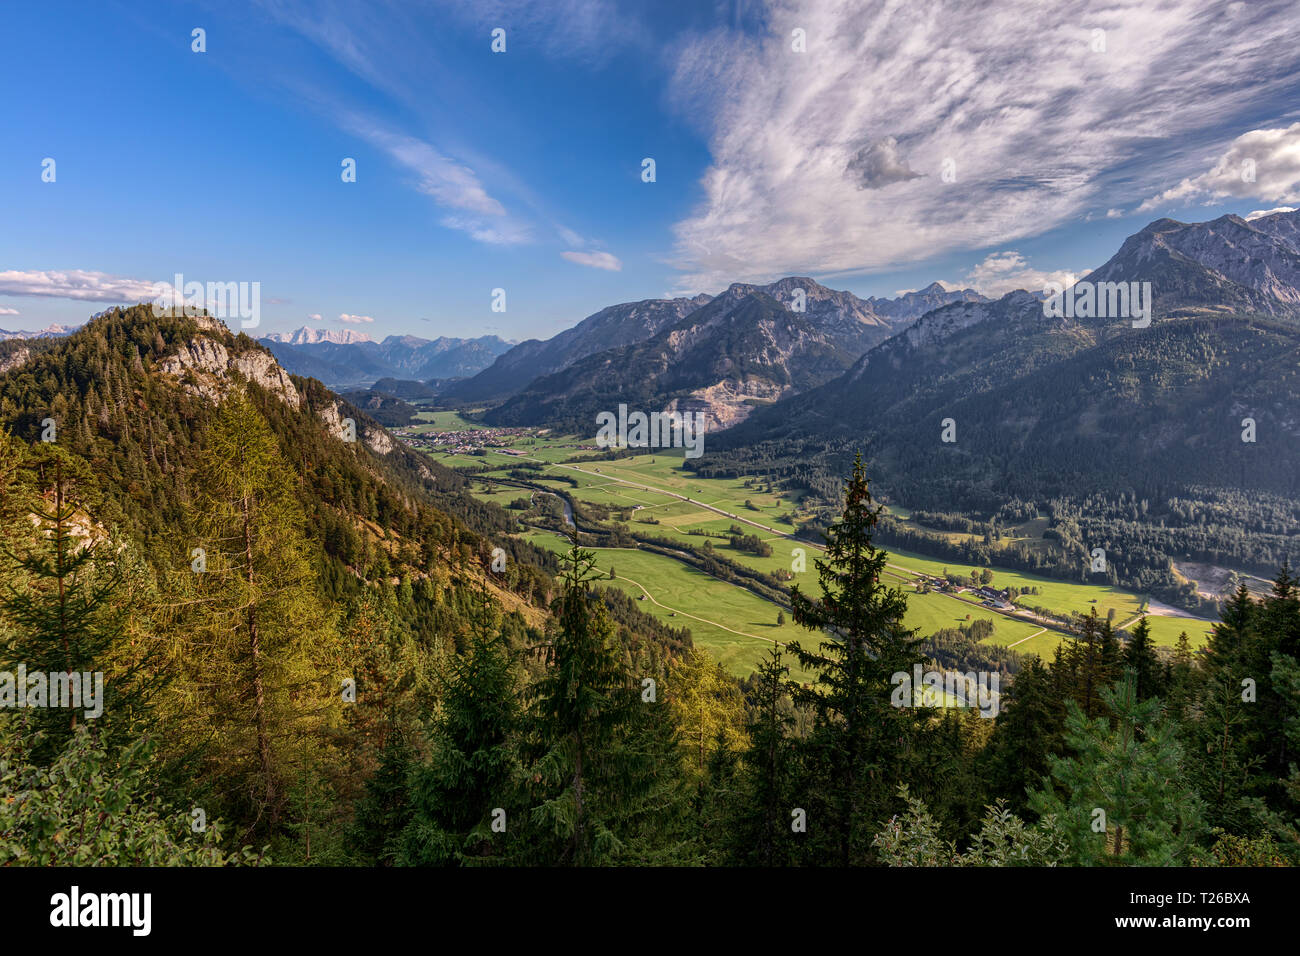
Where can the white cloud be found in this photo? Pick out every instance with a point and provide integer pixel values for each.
(1114, 213)
(354, 319)
(1003, 272)
(595, 260)
(1041, 130)
(1261, 213)
(4, 311)
(315, 316)
(78, 284)
(1262, 164)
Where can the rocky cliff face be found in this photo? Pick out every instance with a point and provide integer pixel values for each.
(1224, 265)
(14, 359)
(376, 439)
(206, 367)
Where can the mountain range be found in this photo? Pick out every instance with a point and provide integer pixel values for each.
(51, 332)
(309, 336)
(347, 359)
(750, 345)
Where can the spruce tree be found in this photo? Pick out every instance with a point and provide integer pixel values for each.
(585, 778)
(58, 604)
(378, 830)
(761, 814)
(1030, 726)
(463, 800)
(1139, 655)
(856, 753)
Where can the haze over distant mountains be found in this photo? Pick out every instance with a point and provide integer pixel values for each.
(343, 358)
(51, 332)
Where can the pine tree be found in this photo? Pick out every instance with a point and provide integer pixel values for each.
(1093, 658)
(63, 619)
(856, 752)
(383, 813)
(1030, 726)
(1223, 765)
(761, 814)
(1122, 795)
(1181, 679)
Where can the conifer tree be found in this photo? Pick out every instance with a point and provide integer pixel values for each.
(1223, 765)
(254, 648)
(1139, 655)
(1030, 726)
(586, 780)
(855, 756)
(707, 706)
(471, 780)
(378, 830)
(1121, 796)
(762, 835)
(1181, 679)
(62, 620)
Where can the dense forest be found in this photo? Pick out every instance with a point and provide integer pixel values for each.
(319, 653)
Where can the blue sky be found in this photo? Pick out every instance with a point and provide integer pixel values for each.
(522, 170)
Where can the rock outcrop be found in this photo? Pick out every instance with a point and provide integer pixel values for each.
(206, 367)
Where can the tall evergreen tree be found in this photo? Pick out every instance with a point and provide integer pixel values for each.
(857, 751)
(1030, 726)
(587, 780)
(258, 692)
(761, 814)
(462, 801)
(58, 606)
(1139, 655)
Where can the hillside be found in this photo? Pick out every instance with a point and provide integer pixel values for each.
(133, 394)
(749, 346)
(611, 327)
(1127, 436)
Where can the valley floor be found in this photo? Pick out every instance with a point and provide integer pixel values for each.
(655, 495)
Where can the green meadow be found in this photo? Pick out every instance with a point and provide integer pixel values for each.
(735, 624)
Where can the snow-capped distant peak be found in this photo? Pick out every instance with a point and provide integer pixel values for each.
(310, 336)
(51, 332)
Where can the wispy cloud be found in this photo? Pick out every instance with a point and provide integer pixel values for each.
(834, 160)
(354, 319)
(591, 31)
(594, 260)
(450, 184)
(4, 311)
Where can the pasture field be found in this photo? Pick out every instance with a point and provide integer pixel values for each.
(733, 622)
(734, 625)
